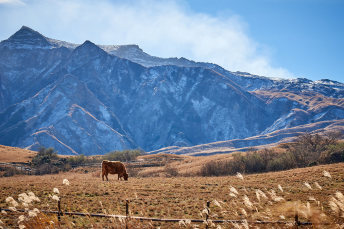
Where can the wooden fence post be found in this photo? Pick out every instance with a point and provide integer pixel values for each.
(126, 213)
(297, 222)
(59, 210)
(207, 215)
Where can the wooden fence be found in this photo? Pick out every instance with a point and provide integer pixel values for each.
(23, 167)
(131, 164)
(296, 223)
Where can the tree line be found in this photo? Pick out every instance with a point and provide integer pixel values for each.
(307, 150)
(47, 161)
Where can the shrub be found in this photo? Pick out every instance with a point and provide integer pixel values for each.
(211, 169)
(125, 155)
(44, 156)
(171, 171)
(221, 168)
(47, 161)
(281, 161)
(77, 160)
(8, 172)
(333, 154)
(133, 172)
(46, 169)
(307, 150)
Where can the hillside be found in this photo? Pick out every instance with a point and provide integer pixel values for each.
(14, 154)
(92, 99)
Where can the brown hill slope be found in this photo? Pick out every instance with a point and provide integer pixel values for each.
(164, 164)
(14, 154)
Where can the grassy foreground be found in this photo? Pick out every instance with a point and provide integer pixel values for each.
(270, 196)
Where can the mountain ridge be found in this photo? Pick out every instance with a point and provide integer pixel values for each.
(92, 99)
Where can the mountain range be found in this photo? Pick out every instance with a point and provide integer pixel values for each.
(92, 99)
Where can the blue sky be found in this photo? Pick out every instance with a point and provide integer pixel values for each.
(276, 38)
(305, 36)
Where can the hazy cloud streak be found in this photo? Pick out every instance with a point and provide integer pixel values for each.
(12, 2)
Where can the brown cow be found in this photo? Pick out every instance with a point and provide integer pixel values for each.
(114, 167)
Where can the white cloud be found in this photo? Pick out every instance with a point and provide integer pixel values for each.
(12, 2)
(161, 28)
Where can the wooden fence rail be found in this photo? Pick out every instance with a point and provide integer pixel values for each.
(296, 223)
(20, 166)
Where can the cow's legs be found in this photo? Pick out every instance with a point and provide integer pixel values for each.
(105, 174)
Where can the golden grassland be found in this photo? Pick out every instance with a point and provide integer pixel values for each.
(14, 154)
(305, 190)
(184, 165)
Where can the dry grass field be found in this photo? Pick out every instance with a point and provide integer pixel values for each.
(268, 197)
(184, 165)
(14, 154)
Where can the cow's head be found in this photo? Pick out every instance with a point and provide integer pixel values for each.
(126, 176)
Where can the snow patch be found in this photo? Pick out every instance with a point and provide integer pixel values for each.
(203, 106)
(105, 113)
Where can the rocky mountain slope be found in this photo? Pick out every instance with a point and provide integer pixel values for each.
(92, 99)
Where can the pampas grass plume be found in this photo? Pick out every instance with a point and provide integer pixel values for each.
(54, 197)
(233, 190)
(317, 185)
(21, 218)
(55, 190)
(260, 193)
(308, 185)
(247, 202)
(280, 188)
(13, 209)
(11, 201)
(240, 176)
(327, 174)
(217, 203)
(65, 182)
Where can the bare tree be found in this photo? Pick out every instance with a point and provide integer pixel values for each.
(308, 147)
